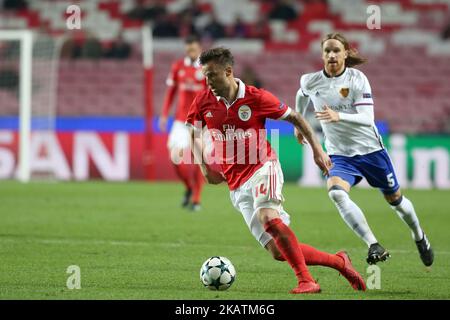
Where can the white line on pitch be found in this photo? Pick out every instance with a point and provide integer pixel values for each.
(161, 244)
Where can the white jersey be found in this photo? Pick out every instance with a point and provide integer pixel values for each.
(346, 93)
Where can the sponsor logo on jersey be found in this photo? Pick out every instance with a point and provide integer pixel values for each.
(341, 107)
(232, 134)
(244, 112)
(367, 95)
(344, 92)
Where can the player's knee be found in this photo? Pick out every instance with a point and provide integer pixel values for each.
(267, 214)
(337, 195)
(394, 199)
(263, 217)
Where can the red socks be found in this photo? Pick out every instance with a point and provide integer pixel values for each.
(192, 177)
(199, 181)
(315, 257)
(185, 174)
(287, 244)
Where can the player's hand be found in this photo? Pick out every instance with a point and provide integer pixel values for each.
(323, 161)
(300, 138)
(162, 124)
(327, 115)
(213, 176)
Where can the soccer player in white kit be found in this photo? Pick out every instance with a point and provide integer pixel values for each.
(343, 103)
(235, 114)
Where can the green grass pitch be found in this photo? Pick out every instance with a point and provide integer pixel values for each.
(133, 241)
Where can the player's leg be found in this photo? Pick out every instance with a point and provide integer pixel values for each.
(405, 210)
(272, 222)
(260, 207)
(242, 200)
(287, 244)
(178, 144)
(313, 257)
(345, 174)
(184, 173)
(342, 177)
(198, 183)
(386, 180)
(338, 191)
(198, 178)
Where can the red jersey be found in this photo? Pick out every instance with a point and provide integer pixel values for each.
(187, 78)
(238, 129)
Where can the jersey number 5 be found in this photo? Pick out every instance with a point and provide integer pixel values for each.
(390, 180)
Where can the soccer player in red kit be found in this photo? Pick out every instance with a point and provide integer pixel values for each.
(235, 115)
(187, 79)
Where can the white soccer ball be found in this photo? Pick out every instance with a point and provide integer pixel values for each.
(217, 273)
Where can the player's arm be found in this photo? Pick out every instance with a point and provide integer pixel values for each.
(301, 105)
(211, 176)
(363, 105)
(364, 116)
(320, 157)
(194, 122)
(301, 102)
(272, 108)
(172, 87)
(197, 149)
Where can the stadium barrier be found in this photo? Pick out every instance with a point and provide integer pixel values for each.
(112, 149)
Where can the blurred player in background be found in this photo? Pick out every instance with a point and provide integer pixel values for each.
(342, 99)
(187, 79)
(235, 115)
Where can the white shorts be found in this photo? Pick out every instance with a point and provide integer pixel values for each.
(180, 139)
(262, 190)
(179, 136)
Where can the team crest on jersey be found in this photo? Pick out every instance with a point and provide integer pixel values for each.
(199, 75)
(344, 92)
(244, 112)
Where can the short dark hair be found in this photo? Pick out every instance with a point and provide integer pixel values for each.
(192, 38)
(219, 55)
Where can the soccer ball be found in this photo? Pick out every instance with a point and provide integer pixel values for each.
(217, 273)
